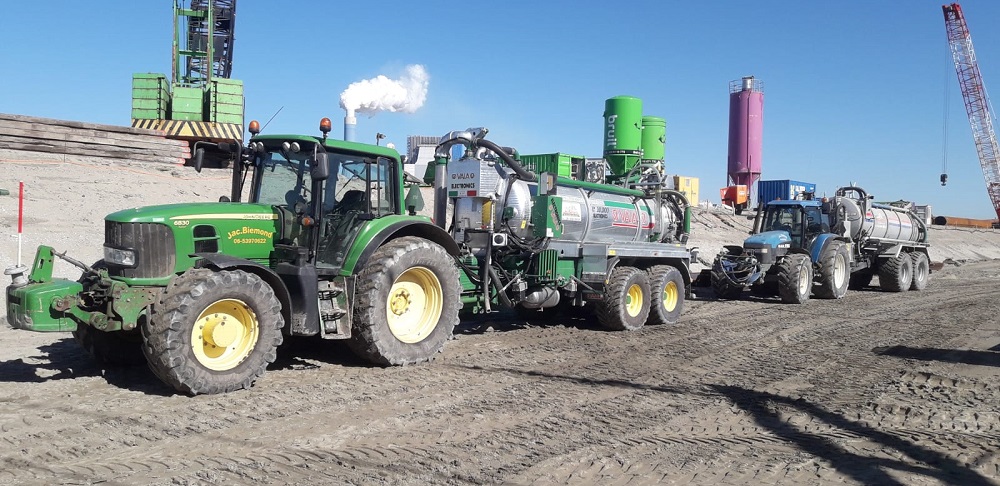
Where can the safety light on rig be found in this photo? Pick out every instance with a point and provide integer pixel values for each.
(325, 125)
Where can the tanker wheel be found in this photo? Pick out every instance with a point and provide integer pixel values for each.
(116, 348)
(795, 278)
(667, 289)
(896, 274)
(626, 302)
(723, 286)
(836, 271)
(213, 331)
(921, 270)
(861, 279)
(408, 298)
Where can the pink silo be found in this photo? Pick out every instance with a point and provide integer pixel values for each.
(746, 128)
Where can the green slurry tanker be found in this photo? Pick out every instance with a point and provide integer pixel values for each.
(328, 244)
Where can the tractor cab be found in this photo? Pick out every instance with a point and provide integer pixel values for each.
(323, 193)
(800, 221)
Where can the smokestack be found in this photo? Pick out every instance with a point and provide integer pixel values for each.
(350, 123)
(370, 96)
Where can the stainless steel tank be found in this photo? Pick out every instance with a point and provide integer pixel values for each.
(866, 220)
(486, 193)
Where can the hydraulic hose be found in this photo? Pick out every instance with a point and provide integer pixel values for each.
(501, 295)
(524, 174)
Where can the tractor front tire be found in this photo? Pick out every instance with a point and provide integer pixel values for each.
(667, 289)
(896, 274)
(213, 331)
(408, 298)
(836, 271)
(723, 286)
(921, 271)
(795, 278)
(626, 302)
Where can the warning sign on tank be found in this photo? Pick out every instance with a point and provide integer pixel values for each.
(571, 211)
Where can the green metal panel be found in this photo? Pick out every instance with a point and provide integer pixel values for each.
(622, 133)
(225, 101)
(150, 96)
(566, 269)
(546, 216)
(654, 137)
(593, 186)
(367, 233)
(547, 264)
(559, 163)
(30, 307)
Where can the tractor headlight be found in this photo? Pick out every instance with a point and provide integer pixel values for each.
(117, 256)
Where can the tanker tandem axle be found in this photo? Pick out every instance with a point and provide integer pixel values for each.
(327, 245)
(798, 248)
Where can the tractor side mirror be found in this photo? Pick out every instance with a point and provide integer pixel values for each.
(199, 159)
(321, 167)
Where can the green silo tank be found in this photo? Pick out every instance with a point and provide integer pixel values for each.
(654, 138)
(622, 133)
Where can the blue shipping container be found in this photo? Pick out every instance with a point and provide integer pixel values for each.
(768, 191)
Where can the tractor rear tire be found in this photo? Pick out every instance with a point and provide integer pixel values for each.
(836, 271)
(626, 302)
(724, 287)
(115, 348)
(795, 278)
(667, 289)
(896, 274)
(408, 298)
(921, 270)
(213, 331)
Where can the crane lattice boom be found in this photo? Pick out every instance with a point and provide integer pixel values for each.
(977, 103)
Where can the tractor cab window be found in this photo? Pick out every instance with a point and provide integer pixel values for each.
(816, 221)
(284, 179)
(361, 184)
(359, 189)
(782, 218)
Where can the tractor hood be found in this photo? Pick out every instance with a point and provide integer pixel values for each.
(767, 239)
(163, 240)
(171, 213)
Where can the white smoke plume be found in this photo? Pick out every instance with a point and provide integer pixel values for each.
(370, 96)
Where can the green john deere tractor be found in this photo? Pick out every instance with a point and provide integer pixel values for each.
(325, 244)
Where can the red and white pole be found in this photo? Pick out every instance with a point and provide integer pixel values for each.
(20, 218)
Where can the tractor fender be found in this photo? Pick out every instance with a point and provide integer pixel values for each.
(399, 229)
(821, 243)
(227, 262)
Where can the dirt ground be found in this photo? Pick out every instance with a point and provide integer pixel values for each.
(877, 388)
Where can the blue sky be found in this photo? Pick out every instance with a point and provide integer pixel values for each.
(854, 91)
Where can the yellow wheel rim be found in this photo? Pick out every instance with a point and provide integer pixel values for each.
(414, 305)
(224, 334)
(633, 303)
(670, 296)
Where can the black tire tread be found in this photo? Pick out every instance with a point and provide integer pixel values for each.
(369, 332)
(788, 277)
(888, 273)
(611, 312)
(659, 275)
(826, 288)
(919, 259)
(166, 335)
